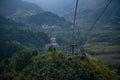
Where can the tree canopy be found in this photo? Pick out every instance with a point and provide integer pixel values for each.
(54, 66)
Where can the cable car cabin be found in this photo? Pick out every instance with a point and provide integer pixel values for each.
(74, 49)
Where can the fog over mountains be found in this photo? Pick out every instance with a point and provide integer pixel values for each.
(56, 6)
(63, 7)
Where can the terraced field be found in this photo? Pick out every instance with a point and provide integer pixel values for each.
(109, 55)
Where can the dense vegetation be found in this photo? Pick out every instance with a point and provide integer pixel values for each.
(29, 65)
(13, 40)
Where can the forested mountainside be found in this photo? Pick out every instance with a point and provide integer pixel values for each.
(22, 25)
(14, 37)
(49, 19)
(18, 10)
(31, 14)
(6, 21)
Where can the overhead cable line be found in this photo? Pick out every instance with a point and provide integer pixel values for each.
(98, 18)
(91, 28)
(74, 20)
(96, 21)
(73, 30)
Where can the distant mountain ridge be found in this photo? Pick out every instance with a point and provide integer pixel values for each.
(49, 19)
(18, 10)
(30, 14)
